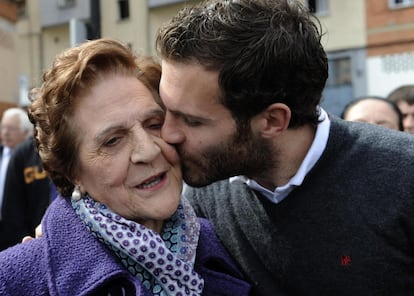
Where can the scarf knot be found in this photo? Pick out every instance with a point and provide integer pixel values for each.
(163, 263)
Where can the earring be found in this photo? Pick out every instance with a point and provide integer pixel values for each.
(76, 194)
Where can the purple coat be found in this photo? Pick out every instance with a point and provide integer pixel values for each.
(68, 260)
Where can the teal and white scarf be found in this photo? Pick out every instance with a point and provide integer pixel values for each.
(162, 262)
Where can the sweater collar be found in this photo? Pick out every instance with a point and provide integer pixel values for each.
(315, 152)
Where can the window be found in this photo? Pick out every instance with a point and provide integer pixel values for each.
(319, 7)
(397, 63)
(400, 3)
(160, 3)
(123, 6)
(65, 3)
(339, 72)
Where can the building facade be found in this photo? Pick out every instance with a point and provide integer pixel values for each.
(9, 73)
(390, 45)
(370, 43)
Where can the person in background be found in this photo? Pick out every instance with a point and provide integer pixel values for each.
(309, 204)
(374, 110)
(28, 191)
(404, 97)
(119, 226)
(15, 127)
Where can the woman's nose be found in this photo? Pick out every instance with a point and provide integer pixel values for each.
(145, 148)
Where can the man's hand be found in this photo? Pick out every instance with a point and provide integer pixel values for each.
(38, 233)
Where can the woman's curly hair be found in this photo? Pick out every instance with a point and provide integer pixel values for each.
(73, 73)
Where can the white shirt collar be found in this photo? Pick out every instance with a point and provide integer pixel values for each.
(5, 157)
(6, 151)
(315, 151)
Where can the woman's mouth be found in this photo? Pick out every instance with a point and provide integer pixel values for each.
(152, 182)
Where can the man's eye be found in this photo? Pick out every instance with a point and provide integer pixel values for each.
(192, 122)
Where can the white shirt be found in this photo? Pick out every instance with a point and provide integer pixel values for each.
(3, 172)
(315, 151)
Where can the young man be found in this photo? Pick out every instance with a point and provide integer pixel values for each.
(404, 97)
(316, 205)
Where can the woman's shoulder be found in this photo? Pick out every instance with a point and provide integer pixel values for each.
(23, 267)
(210, 247)
(23, 254)
(213, 262)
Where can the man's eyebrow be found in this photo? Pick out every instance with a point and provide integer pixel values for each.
(384, 121)
(190, 116)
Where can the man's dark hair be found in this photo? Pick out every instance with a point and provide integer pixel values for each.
(266, 51)
(403, 93)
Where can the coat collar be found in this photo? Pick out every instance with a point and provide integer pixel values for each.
(77, 262)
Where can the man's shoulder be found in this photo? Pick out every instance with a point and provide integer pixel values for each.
(216, 191)
(214, 264)
(370, 137)
(220, 200)
(27, 146)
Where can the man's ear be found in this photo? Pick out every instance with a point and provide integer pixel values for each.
(274, 120)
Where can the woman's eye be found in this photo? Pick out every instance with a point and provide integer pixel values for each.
(112, 141)
(155, 124)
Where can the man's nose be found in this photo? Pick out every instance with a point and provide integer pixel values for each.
(171, 131)
(411, 119)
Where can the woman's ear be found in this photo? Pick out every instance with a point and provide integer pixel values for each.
(275, 120)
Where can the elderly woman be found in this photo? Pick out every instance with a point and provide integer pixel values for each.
(120, 227)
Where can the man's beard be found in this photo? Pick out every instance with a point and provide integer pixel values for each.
(242, 154)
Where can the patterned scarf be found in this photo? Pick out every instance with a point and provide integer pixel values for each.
(163, 263)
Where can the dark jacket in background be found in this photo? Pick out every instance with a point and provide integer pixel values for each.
(26, 195)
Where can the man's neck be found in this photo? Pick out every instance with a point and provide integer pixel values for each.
(290, 150)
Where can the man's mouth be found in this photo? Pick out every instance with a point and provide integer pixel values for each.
(152, 182)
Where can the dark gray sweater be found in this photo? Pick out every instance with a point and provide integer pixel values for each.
(347, 230)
